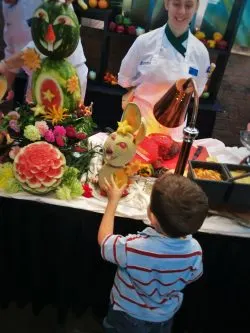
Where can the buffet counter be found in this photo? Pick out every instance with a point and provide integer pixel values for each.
(134, 205)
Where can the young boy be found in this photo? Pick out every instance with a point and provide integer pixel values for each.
(157, 263)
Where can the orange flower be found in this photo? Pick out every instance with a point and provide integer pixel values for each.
(56, 115)
(133, 167)
(72, 84)
(31, 59)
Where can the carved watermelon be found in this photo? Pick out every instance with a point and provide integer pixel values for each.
(55, 29)
(50, 85)
(39, 167)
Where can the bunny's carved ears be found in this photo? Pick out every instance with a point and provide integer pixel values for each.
(132, 115)
(81, 3)
(132, 122)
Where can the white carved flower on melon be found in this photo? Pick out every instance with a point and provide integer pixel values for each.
(39, 167)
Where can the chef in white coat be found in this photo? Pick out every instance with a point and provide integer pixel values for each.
(16, 34)
(13, 62)
(160, 57)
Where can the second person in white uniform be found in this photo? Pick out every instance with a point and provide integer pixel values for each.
(16, 33)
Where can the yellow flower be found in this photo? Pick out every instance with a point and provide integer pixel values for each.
(31, 59)
(124, 127)
(6, 173)
(48, 95)
(146, 170)
(72, 84)
(38, 109)
(56, 114)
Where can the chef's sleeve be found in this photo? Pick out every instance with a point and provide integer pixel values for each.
(202, 77)
(129, 67)
(78, 60)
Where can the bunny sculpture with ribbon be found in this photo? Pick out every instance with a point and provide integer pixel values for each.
(120, 146)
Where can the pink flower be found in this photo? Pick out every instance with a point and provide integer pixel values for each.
(59, 131)
(13, 115)
(42, 127)
(70, 131)
(81, 136)
(60, 141)
(49, 136)
(14, 151)
(14, 125)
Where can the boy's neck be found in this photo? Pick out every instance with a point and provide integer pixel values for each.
(160, 231)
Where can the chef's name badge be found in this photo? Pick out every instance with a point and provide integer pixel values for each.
(145, 62)
(193, 71)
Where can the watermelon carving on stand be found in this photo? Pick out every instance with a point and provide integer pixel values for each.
(55, 112)
(55, 29)
(50, 85)
(39, 167)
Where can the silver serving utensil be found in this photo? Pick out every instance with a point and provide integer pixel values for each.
(231, 179)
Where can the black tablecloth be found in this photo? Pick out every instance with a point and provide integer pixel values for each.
(49, 255)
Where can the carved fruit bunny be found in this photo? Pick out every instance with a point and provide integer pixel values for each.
(120, 146)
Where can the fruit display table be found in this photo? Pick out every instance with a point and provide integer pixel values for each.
(49, 255)
(134, 205)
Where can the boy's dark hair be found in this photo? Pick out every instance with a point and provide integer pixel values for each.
(179, 205)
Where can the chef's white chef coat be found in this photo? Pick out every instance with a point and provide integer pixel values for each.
(16, 30)
(152, 65)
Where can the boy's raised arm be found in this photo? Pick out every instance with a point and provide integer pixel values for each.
(107, 224)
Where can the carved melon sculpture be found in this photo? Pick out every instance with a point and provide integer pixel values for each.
(40, 166)
(56, 32)
(120, 146)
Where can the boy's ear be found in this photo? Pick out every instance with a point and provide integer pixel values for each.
(152, 217)
(154, 220)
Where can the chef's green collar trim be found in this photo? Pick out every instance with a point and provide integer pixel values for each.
(177, 41)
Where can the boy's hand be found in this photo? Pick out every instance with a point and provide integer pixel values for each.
(114, 193)
(8, 75)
